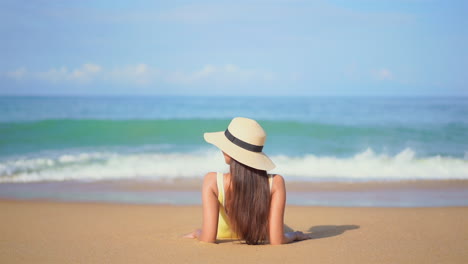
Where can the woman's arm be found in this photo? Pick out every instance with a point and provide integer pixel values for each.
(278, 202)
(210, 211)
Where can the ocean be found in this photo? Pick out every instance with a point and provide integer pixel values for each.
(160, 138)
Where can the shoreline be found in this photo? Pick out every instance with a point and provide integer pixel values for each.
(57, 232)
(447, 193)
(195, 184)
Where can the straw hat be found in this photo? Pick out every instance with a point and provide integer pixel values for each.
(243, 140)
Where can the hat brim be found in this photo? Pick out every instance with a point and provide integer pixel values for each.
(257, 160)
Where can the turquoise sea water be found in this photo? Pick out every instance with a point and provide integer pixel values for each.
(309, 138)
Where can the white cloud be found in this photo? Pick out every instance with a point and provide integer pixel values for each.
(226, 74)
(205, 72)
(85, 73)
(143, 74)
(17, 74)
(383, 74)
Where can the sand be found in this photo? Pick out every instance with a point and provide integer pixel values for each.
(54, 232)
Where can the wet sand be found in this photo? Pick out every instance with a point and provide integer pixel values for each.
(428, 193)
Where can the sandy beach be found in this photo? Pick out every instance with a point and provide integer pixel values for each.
(54, 232)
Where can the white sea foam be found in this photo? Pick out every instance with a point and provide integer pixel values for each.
(371, 166)
(367, 165)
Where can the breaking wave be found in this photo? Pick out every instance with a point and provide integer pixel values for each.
(363, 166)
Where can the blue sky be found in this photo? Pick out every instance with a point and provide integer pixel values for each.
(368, 47)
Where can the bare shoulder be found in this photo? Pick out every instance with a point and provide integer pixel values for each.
(209, 181)
(210, 176)
(278, 182)
(278, 179)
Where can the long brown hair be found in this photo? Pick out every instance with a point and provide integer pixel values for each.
(248, 203)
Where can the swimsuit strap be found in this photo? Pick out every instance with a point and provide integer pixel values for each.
(220, 182)
(270, 181)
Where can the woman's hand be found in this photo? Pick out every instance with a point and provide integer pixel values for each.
(295, 236)
(194, 234)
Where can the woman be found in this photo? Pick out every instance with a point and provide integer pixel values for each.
(246, 203)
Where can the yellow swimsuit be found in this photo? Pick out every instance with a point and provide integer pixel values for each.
(224, 230)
